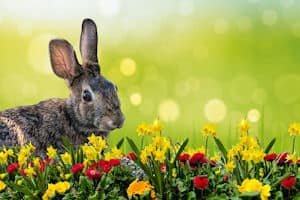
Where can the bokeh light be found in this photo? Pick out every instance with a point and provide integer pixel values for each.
(136, 98)
(215, 110)
(221, 26)
(168, 110)
(127, 67)
(269, 17)
(253, 115)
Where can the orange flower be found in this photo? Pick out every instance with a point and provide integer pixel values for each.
(139, 188)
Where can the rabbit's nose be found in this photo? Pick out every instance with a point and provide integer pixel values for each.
(119, 123)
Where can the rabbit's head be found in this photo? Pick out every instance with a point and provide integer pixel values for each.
(93, 103)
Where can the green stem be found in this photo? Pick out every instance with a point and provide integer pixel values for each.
(293, 145)
(142, 142)
(206, 144)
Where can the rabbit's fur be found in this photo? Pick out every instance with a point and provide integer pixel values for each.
(92, 107)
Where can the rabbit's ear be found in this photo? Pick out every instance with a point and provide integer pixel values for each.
(63, 59)
(89, 42)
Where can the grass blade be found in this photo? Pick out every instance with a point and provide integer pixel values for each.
(120, 143)
(270, 145)
(221, 147)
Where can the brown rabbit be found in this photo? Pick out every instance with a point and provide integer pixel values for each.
(92, 107)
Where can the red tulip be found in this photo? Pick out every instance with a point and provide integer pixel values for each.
(115, 162)
(47, 160)
(104, 165)
(198, 158)
(201, 182)
(12, 168)
(77, 168)
(93, 174)
(184, 157)
(42, 166)
(132, 156)
(270, 157)
(163, 168)
(289, 182)
(225, 178)
(281, 158)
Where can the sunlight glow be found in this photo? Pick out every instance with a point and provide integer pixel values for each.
(215, 110)
(168, 110)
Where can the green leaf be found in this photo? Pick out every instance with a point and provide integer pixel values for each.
(270, 145)
(133, 146)
(191, 195)
(221, 147)
(182, 147)
(120, 143)
(280, 179)
(278, 195)
(249, 194)
(22, 189)
(68, 147)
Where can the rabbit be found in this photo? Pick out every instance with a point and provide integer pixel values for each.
(92, 107)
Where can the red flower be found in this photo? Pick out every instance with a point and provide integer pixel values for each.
(281, 158)
(42, 166)
(104, 165)
(93, 174)
(270, 157)
(77, 168)
(23, 172)
(163, 168)
(184, 157)
(225, 178)
(198, 158)
(201, 182)
(132, 156)
(289, 182)
(213, 163)
(115, 162)
(47, 160)
(12, 168)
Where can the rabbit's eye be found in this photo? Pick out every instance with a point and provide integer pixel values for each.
(87, 96)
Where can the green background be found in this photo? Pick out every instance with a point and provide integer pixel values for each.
(186, 53)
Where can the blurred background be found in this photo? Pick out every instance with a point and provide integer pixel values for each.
(188, 62)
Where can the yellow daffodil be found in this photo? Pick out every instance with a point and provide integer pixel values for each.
(114, 153)
(62, 187)
(50, 192)
(24, 153)
(97, 142)
(209, 130)
(230, 166)
(216, 157)
(293, 158)
(66, 158)
(2, 186)
(253, 185)
(159, 155)
(3, 175)
(157, 126)
(90, 152)
(244, 125)
(51, 152)
(29, 171)
(36, 162)
(19, 182)
(294, 129)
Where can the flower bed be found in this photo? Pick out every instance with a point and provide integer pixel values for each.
(161, 169)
